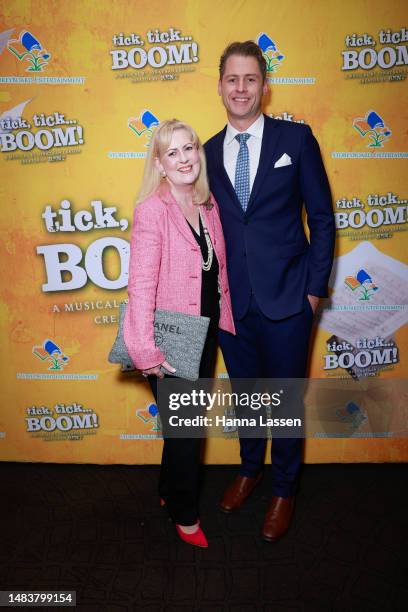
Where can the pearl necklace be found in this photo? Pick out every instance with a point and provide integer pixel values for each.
(206, 265)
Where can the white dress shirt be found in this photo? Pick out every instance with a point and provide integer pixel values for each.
(231, 149)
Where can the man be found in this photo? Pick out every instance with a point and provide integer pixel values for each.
(262, 172)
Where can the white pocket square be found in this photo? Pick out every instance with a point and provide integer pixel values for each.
(283, 161)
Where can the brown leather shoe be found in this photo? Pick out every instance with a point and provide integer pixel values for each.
(238, 491)
(277, 518)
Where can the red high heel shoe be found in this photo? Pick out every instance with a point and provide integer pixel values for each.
(196, 539)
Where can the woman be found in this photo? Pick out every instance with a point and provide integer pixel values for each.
(177, 262)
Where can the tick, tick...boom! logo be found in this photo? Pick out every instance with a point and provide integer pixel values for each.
(371, 214)
(285, 116)
(366, 358)
(63, 422)
(34, 140)
(362, 54)
(157, 51)
(67, 267)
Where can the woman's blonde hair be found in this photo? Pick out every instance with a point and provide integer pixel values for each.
(159, 143)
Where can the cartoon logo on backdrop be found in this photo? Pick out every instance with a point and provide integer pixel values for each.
(374, 128)
(150, 416)
(362, 285)
(51, 353)
(144, 125)
(27, 48)
(272, 55)
(351, 414)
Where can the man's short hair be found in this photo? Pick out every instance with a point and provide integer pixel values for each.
(246, 49)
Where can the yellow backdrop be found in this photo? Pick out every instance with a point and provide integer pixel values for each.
(83, 84)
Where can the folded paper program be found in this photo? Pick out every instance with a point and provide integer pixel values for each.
(370, 295)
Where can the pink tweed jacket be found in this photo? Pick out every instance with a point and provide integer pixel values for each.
(165, 272)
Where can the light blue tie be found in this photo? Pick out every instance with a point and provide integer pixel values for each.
(241, 184)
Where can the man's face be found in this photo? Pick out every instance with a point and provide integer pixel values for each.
(242, 88)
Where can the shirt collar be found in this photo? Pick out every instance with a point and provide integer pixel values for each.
(256, 130)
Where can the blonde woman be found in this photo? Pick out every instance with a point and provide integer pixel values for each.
(178, 263)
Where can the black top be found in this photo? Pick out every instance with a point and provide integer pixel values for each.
(210, 298)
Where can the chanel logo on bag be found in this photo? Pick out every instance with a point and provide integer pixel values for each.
(158, 338)
(166, 327)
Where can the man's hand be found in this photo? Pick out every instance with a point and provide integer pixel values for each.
(314, 302)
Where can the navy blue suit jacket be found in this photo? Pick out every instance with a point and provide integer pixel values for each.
(267, 249)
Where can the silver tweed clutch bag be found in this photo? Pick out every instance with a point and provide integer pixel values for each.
(179, 336)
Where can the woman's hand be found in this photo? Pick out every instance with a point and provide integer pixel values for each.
(156, 371)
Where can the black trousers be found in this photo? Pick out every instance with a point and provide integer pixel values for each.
(180, 466)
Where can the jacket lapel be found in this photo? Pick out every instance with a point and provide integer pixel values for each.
(270, 138)
(209, 222)
(220, 171)
(180, 222)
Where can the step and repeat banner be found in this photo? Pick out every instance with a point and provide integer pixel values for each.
(83, 85)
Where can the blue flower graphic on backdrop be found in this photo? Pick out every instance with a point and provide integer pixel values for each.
(144, 124)
(150, 416)
(373, 127)
(272, 55)
(51, 352)
(362, 283)
(27, 47)
(352, 414)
